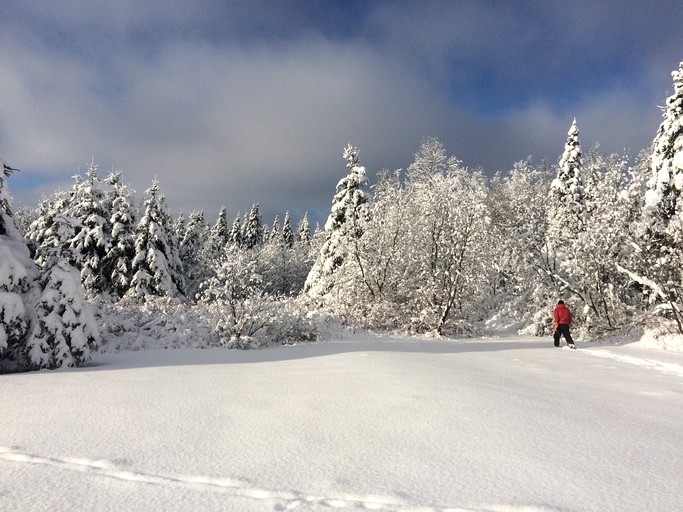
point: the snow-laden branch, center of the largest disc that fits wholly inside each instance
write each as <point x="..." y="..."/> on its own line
<point x="643" y="280"/>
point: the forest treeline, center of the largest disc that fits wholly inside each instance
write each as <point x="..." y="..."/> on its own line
<point x="437" y="248"/>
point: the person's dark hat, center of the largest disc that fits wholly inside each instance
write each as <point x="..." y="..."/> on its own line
<point x="560" y="301"/>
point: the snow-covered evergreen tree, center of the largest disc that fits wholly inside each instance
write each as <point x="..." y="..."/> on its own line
<point x="304" y="230"/>
<point x="179" y="226"/>
<point x="566" y="216"/>
<point x="17" y="276"/>
<point x="663" y="199"/>
<point x="65" y="331"/>
<point x="567" y="198"/>
<point x="253" y="229"/>
<point x="662" y="233"/>
<point x="23" y="218"/>
<point x="283" y="264"/>
<point x="349" y="208"/>
<point x="76" y="224"/>
<point x="92" y="237"/>
<point x="46" y="323"/>
<point x="287" y="233"/>
<point x="54" y="228"/>
<point x="196" y="232"/>
<point x="236" y="231"/>
<point x="275" y="234"/>
<point x="157" y="269"/>
<point x="195" y="253"/>
<point x="219" y="236"/>
<point x="118" y="264"/>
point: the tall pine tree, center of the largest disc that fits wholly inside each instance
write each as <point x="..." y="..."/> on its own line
<point x="287" y="233"/>
<point x="662" y="234"/>
<point x="193" y="249"/>
<point x="219" y="236"/>
<point x="567" y="196"/>
<point x="349" y="208"/>
<point x="92" y="238"/>
<point x="157" y="269"/>
<point x="253" y="229"/>
<point x="663" y="198"/>
<point x="235" y="236"/>
<point x="304" y="230"/>
<point x="118" y="265"/>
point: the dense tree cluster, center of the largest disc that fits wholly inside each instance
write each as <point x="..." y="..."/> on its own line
<point x="437" y="248"/>
<point x="45" y="321"/>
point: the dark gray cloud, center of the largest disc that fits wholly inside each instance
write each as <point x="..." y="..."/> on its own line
<point x="230" y="104"/>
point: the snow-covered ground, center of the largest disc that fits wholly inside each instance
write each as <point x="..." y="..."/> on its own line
<point x="360" y="423"/>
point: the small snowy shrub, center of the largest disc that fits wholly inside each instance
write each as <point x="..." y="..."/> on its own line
<point x="239" y="322"/>
<point x="283" y="321"/>
<point x="233" y="299"/>
<point x="295" y="320"/>
<point x="242" y="315"/>
<point x="157" y="322"/>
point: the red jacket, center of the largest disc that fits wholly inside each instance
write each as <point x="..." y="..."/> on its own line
<point x="563" y="315"/>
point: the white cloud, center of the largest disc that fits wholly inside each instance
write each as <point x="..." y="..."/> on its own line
<point x="216" y="125"/>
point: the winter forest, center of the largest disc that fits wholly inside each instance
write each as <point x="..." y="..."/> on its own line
<point x="436" y="249"/>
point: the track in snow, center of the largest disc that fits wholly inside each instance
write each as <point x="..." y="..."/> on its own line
<point x="283" y="500"/>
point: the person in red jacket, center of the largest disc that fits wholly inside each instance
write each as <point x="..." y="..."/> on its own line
<point x="563" y="318"/>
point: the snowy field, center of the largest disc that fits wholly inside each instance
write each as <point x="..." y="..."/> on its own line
<point x="506" y="424"/>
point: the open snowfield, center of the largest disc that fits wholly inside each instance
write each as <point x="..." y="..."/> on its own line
<point x="506" y="424"/>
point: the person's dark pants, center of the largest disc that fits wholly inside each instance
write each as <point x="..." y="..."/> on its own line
<point x="563" y="330"/>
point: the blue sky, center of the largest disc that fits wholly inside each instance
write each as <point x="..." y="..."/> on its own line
<point x="231" y="103"/>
